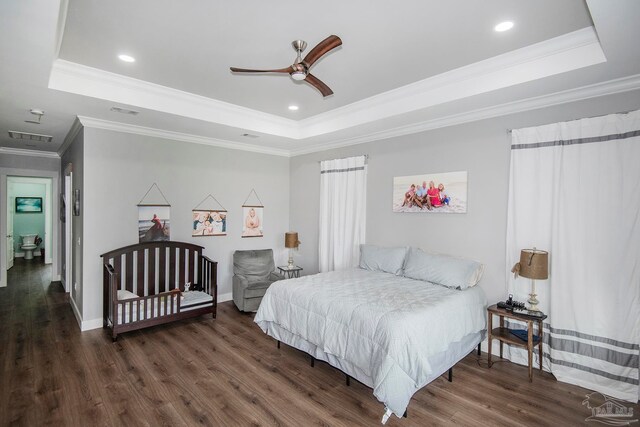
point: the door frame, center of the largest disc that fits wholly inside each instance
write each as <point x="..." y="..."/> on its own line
<point x="55" y="220"/>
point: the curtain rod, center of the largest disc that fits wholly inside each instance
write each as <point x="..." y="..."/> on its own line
<point x="589" y="117"/>
<point x="366" y="157"/>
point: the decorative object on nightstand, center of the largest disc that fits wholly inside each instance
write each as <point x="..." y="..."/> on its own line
<point x="290" y="272"/>
<point x="516" y="337"/>
<point x="291" y="242"/>
<point x="534" y="265"/>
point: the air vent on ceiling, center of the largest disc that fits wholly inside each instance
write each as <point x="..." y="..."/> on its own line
<point x="124" y="111"/>
<point x="248" y="135"/>
<point x="30" y="136"/>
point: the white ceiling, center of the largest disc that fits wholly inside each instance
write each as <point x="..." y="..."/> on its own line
<point x="401" y="69"/>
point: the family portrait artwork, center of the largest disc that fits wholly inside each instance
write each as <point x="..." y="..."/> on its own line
<point x="438" y="192"/>
<point x="153" y="223"/>
<point x="253" y="221"/>
<point x="209" y="223"/>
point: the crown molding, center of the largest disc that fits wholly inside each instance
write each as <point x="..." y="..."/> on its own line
<point x="76" y="127"/>
<point x="611" y="87"/>
<point x="561" y="54"/>
<point x="83" y="80"/>
<point x="568" y="52"/>
<point x="90" y="122"/>
<point x="31" y="153"/>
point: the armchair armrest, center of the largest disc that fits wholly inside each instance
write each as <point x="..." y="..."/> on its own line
<point x="276" y="276"/>
<point x="240" y="280"/>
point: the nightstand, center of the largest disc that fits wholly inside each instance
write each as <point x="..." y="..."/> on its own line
<point x="290" y="273"/>
<point x="503" y="335"/>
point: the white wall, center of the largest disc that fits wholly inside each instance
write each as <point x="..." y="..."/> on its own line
<point x="481" y="148"/>
<point x="119" y="168"/>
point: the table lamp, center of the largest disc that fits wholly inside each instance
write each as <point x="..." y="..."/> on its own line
<point x="291" y="241"/>
<point x="534" y="265"/>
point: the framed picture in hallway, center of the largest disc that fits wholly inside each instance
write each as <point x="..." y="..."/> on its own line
<point x="28" y="204"/>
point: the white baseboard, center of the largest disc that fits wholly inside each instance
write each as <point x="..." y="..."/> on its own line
<point x="225" y="297"/>
<point x="76" y="312"/>
<point x="85" y="325"/>
<point x="88" y="325"/>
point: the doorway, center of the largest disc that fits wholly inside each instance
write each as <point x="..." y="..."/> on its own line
<point x="49" y="247"/>
<point x="29" y="219"/>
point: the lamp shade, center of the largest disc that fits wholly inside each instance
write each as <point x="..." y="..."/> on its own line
<point x="534" y="264"/>
<point x="291" y="239"/>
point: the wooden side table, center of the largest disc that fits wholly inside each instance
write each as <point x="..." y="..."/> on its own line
<point x="290" y="273"/>
<point x="503" y="335"/>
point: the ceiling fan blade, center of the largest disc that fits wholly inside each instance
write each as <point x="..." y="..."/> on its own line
<point x="318" y="84"/>
<point x="287" y="70"/>
<point x="321" y="48"/>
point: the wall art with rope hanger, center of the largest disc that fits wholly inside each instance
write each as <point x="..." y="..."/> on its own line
<point x="154" y="217"/>
<point x="253" y="216"/>
<point x="209" y="220"/>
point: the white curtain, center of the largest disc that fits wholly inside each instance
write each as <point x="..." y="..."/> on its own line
<point x="575" y="192"/>
<point x="343" y="200"/>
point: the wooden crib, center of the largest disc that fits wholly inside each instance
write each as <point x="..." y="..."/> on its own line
<point x="144" y="285"/>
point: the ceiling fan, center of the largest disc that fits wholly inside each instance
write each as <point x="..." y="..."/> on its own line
<point x="300" y="68"/>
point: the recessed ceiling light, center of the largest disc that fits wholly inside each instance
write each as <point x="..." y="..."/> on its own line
<point x="293" y="107"/>
<point x="127" y="58"/>
<point x="503" y="26"/>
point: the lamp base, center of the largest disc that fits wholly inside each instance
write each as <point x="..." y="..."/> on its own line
<point x="533" y="302"/>
<point x="290" y="265"/>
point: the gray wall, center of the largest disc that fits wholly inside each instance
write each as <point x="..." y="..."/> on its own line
<point x="29" y="162"/>
<point x="119" y="168"/>
<point x="481" y="148"/>
<point x="74" y="155"/>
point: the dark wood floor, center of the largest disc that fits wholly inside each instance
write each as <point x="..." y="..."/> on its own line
<point x="224" y="372"/>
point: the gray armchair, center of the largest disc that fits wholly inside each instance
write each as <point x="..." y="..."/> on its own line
<point x="253" y="273"/>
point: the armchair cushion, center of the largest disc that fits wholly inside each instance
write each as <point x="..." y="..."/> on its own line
<point x="254" y="265"/>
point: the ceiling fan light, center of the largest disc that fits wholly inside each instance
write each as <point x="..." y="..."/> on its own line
<point x="298" y="75"/>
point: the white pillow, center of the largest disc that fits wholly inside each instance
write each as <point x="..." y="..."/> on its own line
<point x="376" y="258"/>
<point x="123" y="295"/>
<point x="443" y="270"/>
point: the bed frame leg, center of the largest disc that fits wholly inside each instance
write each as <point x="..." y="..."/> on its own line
<point x="450" y="374"/>
<point x="405" y="413"/>
<point x="348" y="380"/>
<point x="278" y="344"/>
<point x="479" y="344"/>
<point x="313" y="361"/>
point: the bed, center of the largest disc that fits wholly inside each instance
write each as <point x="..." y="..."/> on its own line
<point x="391" y="332"/>
<point x="149" y="284"/>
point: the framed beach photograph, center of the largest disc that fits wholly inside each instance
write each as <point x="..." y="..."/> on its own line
<point x="28" y="204"/>
<point x="153" y="223"/>
<point x="209" y="223"/>
<point x="435" y="192"/>
<point x="252" y="224"/>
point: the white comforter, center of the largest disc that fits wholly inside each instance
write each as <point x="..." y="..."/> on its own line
<point x="386" y="325"/>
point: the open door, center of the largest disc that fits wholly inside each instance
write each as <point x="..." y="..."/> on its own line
<point x="10" y="255"/>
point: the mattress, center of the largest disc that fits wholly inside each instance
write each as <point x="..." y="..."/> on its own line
<point x="190" y="301"/>
<point x="382" y="329"/>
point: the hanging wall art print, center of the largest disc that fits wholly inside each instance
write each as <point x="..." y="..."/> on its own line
<point x="253" y="221"/>
<point x="436" y="192"/>
<point x="209" y="223"/>
<point x="153" y="223"/>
